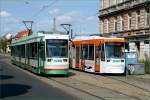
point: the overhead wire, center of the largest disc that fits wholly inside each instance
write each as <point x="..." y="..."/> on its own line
<point x="42" y="9"/>
<point x="35" y="15"/>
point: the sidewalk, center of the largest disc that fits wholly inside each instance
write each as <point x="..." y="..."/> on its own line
<point x="145" y="76"/>
<point x="4" y="54"/>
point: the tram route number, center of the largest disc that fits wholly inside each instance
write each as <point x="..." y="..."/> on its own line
<point x="57" y="60"/>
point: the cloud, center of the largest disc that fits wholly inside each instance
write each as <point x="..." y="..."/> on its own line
<point x="54" y="11"/>
<point x="68" y="17"/>
<point x="64" y="18"/>
<point x="4" y="14"/>
<point x="90" y="18"/>
<point x="9" y="23"/>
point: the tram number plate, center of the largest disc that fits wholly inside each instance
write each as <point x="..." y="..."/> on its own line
<point x="116" y="61"/>
<point x="57" y="60"/>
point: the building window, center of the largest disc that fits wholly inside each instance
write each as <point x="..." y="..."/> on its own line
<point x="107" y="3"/>
<point x="115" y="24"/>
<point x="138" y="20"/>
<point x="121" y="23"/>
<point x="114" y="2"/>
<point x="129" y="21"/>
<point x="102" y="26"/>
<point x="102" y="3"/>
<point x="148" y="17"/>
<point x="106" y="26"/>
<point x="119" y="1"/>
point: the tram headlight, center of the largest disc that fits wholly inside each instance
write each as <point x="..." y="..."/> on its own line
<point x="108" y="60"/>
<point x="49" y="60"/>
<point x="65" y="60"/>
<point x="122" y="60"/>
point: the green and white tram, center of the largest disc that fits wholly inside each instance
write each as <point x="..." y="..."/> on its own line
<point x="42" y="53"/>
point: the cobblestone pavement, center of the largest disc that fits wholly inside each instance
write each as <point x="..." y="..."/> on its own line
<point x="109" y="87"/>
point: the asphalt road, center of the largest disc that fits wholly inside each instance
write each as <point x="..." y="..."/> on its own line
<point x="17" y="85"/>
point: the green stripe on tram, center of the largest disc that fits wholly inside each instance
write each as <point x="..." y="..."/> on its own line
<point x="64" y="72"/>
<point x="53" y="72"/>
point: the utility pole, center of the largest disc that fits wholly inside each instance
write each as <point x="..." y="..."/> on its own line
<point x="54" y="25"/>
<point x="28" y="25"/>
<point x="68" y="29"/>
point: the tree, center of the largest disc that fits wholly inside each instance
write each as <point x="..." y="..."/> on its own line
<point x="3" y="44"/>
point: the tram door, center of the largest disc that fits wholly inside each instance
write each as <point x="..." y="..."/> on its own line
<point x="41" y="54"/>
<point x="102" y="58"/>
<point x="77" y="60"/>
<point x="97" y="58"/>
<point x="28" y="54"/>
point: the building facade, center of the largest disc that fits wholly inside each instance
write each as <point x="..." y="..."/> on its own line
<point x="129" y="19"/>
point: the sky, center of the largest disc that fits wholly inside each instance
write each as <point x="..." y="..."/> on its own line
<point x="81" y="14"/>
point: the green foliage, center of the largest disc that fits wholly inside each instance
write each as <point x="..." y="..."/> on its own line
<point x="147" y="66"/>
<point x="3" y="44"/>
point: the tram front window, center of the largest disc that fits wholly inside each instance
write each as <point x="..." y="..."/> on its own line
<point x="57" y="48"/>
<point x="115" y="50"/>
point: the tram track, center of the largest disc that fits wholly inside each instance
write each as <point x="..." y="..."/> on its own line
<point x="98" y="97"/>
<point x="116" y="79"/>
<point x="95" y="86"/>
<point x="96" y="76"/>
<point x="129" y="84"/>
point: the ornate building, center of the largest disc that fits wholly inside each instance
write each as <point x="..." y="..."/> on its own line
<point x="129" y="19"/>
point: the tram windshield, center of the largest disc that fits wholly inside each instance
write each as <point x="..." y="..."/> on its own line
<point x="115" y="50"/>
<point x="57" y="48"/>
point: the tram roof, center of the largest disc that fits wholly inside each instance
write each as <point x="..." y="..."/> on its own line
<point x="37" y="37"/>
<point x="95" y="40"/>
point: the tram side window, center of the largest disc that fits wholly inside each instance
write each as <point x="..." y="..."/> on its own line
<point x="22" y="50"/>
<point x="91" y="52"/>
<point x="73" y="52"/>
<point x="102" y="53"/>
<point x="14" y="50"/>
<point x="17" y="51"/>
<point x="77" y="54"/>
<point x="33" y="50"/>
<point x="28" y="50"/>
<point x="87" y="52"/>
<point x="84" y="52"/>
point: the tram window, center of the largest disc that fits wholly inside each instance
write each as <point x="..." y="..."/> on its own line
<point x="97" y="51"/>
<point x="28" y="50"/>
<point x="14" y="50"/>
<point x="91" y="52"/>
<point x="33" y="50"/>
<point x="17" y="51"/>
<point x="77" y="54"/>
<point x="102" y="53"/>
<point x="22" y="51"/>
<point x="84" y="52"/>
<point x="87" y="52"/>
